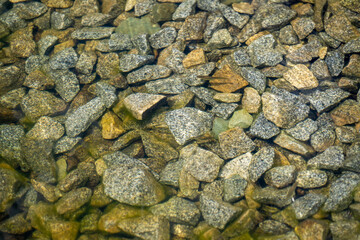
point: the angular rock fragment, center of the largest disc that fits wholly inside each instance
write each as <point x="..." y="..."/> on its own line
<point x="293" y="145"/>
<point x="261" y="162"/>
<point x="263" y="128"/>
<point x="163" y="38"/>
<point x="308" y="205"/>
<point x="235" y="142"/>
<point x="280" y="177"/>
<point x="301" y="77"/>
<point x="130" y="62"/>
<point x="303" y="130"/>
<point x="140" y="104"/>
<point x="147" y="73"/>
<point x="311" y="179"/>
<point x="332" y="158"/>
<point x="88" y="33"/>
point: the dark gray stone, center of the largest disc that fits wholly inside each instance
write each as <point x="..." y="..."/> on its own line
<point x="163" y="38"/>
<point x="30" y="10"/>
<point x="35" y="62"/>
<point x="261" y="162"/>
<point x="89" y="33"/>
<point x="335" y="61"/>
<point x="235" y="18"/>
<point x="191" y="75"/>
<point x="86" y="62"/>
<point x="147" y="73"/>
<point x="329" y="40"/>
<point x="241" y="57"/>
<point x="224" y="110"/>
<point x="208" y="5"/>
<point x="308" y="205"/>
<point x="141" y="43"/>
<point x="64" y="59"/>
<point x="311" y="178"/>
<point x="119" y="42"/>
<point x="303" y="130"/>
<point x="171" y="173"/>
<point x="106" y="92"/>
<point x="270" y="195"/>
<point x="66" y="84"/>
<point x="353" y="46"/>
<point x="45" y="43"/>
<point x="95" y="19"/>
<point x="324" y="100"/>
<point x="205" y="95"/>
<point x="60" y="21"/>
<point x="280" y="177"/>
<point x="184" y="10"/>
<point x="129" y="62"/>
<point x="255" y="78"/>
<point x="263" y="128"/>
<point x="234" y="188"/>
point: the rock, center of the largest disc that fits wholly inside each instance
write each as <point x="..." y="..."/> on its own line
<point x="46" y="128"/>
<point x="108" y="66"/>
<point x="241" y="57"/>
<point x="64" y="59"/>
<point x="147" y="227"/>
<point x="238" y="166"/>
<point x="147" y="73"/>
<point x="346" y="113"/>
<point x="263" y="128"/>
<point x="243" y="224"/>
<point x="86" y="62"/>
<point x="284" y="111"/>
<point x="73" y="200"/>
<point x="95" y="19"/>
<point x="273" y="227"/>
<point x="234" y="188"/>
<point x="303" y="26"/>
<point x="38" y="80"/>
<point x="322" y="139"/>
<point x="311" y="179"/>
<point x="193" y="27"/>
<point x="339" y="27"/>
<point x="139" y="104"/>
<point x="111" y="126"/>
<point x="274" y="15"/>
<point x="185" y="9"/>
<point x="312" y="229"/>
<point x="235" y="142"/>
<point x="188" y="123"/>
<point x="30" y="10"/>
<point x="345" y="229"/>
<point x="324" y="100"/>
<point x="130" y="62"/>
<point x="293" y="145"/>
<point x="174" y="60"/>
<point x="163" y="38"/>
<point x="301" y="77"/>
<point x="220" y="39"/>
<point x="251" y="100"/>
<point x="21" y="43"/>
<point x="119" y="41"/>
<point x="60" y="21"/>
<point x="143" y="190"/>
<point x="171" y="85"/>
<point x="216" y="212"/>
<point x="234" y="17"/>
<point x="345" y="134"/>
<point x="141" y="43"/>
<point x="162" y="12"/>
<point x="240" y="119"/>
<point x="171" y="173"/>
<point x="303" y="130"/>
<point x="16" y="224"/>
<point x="10" y="182"/>
<point x="106" y="92"/>
<point x="214" y="22"/>
<point x="84" y="116"/>
<point x="10" y="148"/>
<point x="229" y="81"/>
<point x="195" y="57"/>
<point x="320" y="69"/>
<point x="12" y="20"/>
<point x="63" y="229"/>
<point x="50" y="192"/>
<point x="352" y="46"/>
<point x="13" y="98"/>
<point x="270" y="195"/>
<point x="89" y="33"/>
<point x="120" y="159"/>
<point x="352" y="158"/>
<point x="201" y="164"/>
<point x="41" y="103"/>
<point x="332" y="158"/>
<point x="227" y="97"/>
<point x="243" y="7"/>
<point x="65" y="144"/>
<point x="66" y="84"/>
<point x="260" y="163"/>
<point x="288" y="36"/>
<point x="280" y="177"/>
<point x="178" y="210"/>
<point x="135" y="26"/>
<point x="308" y="205"/>
<point x="335" y="62"/>
<point x="224" y="110"/>
<point x="352" y="69"/>
<point x="340" y="193"/>
<point x="262" y="52"/>
<point x="255" y="78"/>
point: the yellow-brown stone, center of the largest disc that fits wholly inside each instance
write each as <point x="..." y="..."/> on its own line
<point x="58" y="3"/>
<point x="111" y="126"/>
<point x="243" y="7"/>
<point x="227" y="81"/>
<point x="62" y="46"/>
<point x="251" y="100"/>
<point x="22" y="44"/>
<point x="301" y="77"/>
<point x="195" y="57"/>
<point x="347" y="113"/>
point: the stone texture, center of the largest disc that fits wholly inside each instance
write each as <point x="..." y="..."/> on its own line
<point x="234" y="188"/>
<point x="46" y="128"/>
<point x="86" y="62"/>
<point x="280" y="177"/>
<point x="303" y="130"/>
<point x="335" y="62"/>
<point x="308" y="205"/>
<point x="322" y="139"/>
<point x="66" y="84"/>
<point x="346" y="113"/>
<point x="262" y="52"/>
<point x="254" y="77"/>
<point x="273" y="196"/>
<point x="311" y="179"/>
<point x="73" y="200"/>
<point x="163" y="38"/>
<point x="13" y="98"/>
<point x="228" y="80"/>
<point x="301" y="77"/>
<point x="235" y="142"/>
<point x="65" y="144"/>
<point x="352" y="69"/>
<point x="237" y="166"/>
<point x="261" y="162"/>
<point x="130" y="62"/>
<point x="332" y="159"/>
<point x="88" y="33"/>
<point x="185" y="9"/>
<point x="171" y="85"/>
<point x="64" y="59"/>
<point x="312" y="229"/>
<point x="111" y="126"/>
<point x="340" y="28"/>
<point x="263" y="128"/>
<point x="193" y="27"/>
<point x="140" y="104"/>
<point x="10" y="148"/>
<point x="251" y="100"/>
<point x="233" y="17"/>
<point x="147" y="73"/>
<point x="293" y="145"/>
<point x="303" y="26"/>
<point x="195" y="57"/>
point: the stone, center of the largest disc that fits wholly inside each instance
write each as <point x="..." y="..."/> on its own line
<point x="322" y="139"/>
<point x="243" y="7"/>
<point x="346" y="113"/>
<point x="352" y="69"/>
<point x="301" y="77"/>
<point x="228" y="80"/>
<point x="108" y="66"/>
<point x="41" y="103"/>
<point x="335" y="62"/>
<point x="49" y="191"/>
<point x="73" y="200"/>
<point x="38" y="80"/>
<point x="287" y="142"/>
<point x="234" y="188"/>
<point x="162" y="12"/>
<point x="95" y="19"/>
<point x="303" y="130"/>
<point x="91" y="33"/>
<point x="141" y="43"/>
<point x="311" y="178"/>
<point x="185" y="9"/>
<point x="345" y="229"/>
<point x="118" y="42"/>
<point x="147" y="73"/>
<point x="312" y="229"/>
<point x="339" y="27"/>
<point x="241" y="57"/>
<point x="251" y="100"/>
<point x="307" y="205"/>
<point x="340" y="192"/>
<point x="188" y="123"/>
<point x="111" y="126"/>
<point x="260" y="163"/>
<point x="16" y="224"/>
<point x="274" y="15"/>
<point x="303" y="26"/>
<point x="21" y="43"/>
<point x="130" y="62"/>
<point x="178" y="210"/>
<point x="84" y="116"/>
<point x="280" y="177"/>
<point x="193" y="27"/>
<point x="243" y="224"/>
<point x="143" y="190"/>
<point x="66" y="84"/>
<point x="220" y="39"/>
<point x="106" y="92"/>
<point x="174" y="61"/>
<point x="273" y="227"/>
<point x="139" y="104"/>
<point x="263" y="128"/>
<point x="332" y="42"/>
<point x="352" y="158"/>
<point x="214" y="22"/>
<point x="324" y="100"/>
<point x="137" y="26"/>
<point x="171" y="85"/>
<point x="270" y="195"/>
<point x="216" y="212"/>
<point x="288" y="36"/>
<point x="46" y="128"/>
<point x="195" y="57"/>
<point x="346" y="134"/>
<point x="36" y="62"/>
<point x="13" y="98"/>
<point x="233" y="17"/>
<point x="64" y="59"/>
<point x="30" y="10"/>
<point x="332" y="159"/>
<point x="240" y="118"/>
<point x="163" y="38"/>
<point x="86" y="62"/>
<point x="284" y="111"/>
<point x="320" y="70"/>
<point x="263" y="53"/>
<point x="219" y="125"/>
<point x="10" y="148"/>
<point x="254" y="77"/>
<point x="306" y="52"/>
<point x="224" y="110"/>
<point x="352" y="46"/>
<point x="65" y="144"/>
<point x="201" y="164"/>
<point x="60" y="21"/>
<point x="12" y="20"/>
<point x="227" y="97"/>
<point x="170" y="175"/>
<point x="235" y="142"/>
<point x="238" y="166"/>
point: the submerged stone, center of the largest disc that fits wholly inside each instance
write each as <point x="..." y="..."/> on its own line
<point x="140" y="104"/>
<point x="235" y="142"/>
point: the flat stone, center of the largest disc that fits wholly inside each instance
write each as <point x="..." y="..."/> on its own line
<point x="301" y="77"/>
<point x="65" y="144"/>
<point x="111" y="126"/>
<point x="235" y="142"/>
<point x="119" y="42"/>
<point x="346" y="134"/>
<point x="84" y="116"/>
<point x="233" y="17"/>
<point x="339" y="27"/>
<point x="201" y="164"/>
<point x="95" y="19"/>
<point x="227" y="97"/>
<point x="346" y="113"/>
<point x="86" y="62"/>
<point x="261" y="162"/>
<point x="303" y="26"/>
<point x="262" y="52"/>
<point x="270" y="195"/>
<point x="141" y="43"/>
<point x="195" y="57"/>
<point x="303" y="130"/>
<point x="64" y="59"/>
<point x="308" y="205"/>
<point x="10" y="148"/>
<point x="163" y="38"/>
<point x="185" y="9"/>
<point x="234" y="188"/>
<point x="73" y="200"/>
<point x="216" y="212"/>
<point x="340" y="193"/>
<point x="147" y="73"/>
<point x="263" y="128"/>
<point x="229" y="81"/>
<point x="352" y="69"/>
<point x="178" y="210"/>
<point x="46" y="128"/>
<point x="352" y="46"/>
<point x="41" y="103"/>
<point x="306" y="52"/>
<point x="60" y="21"/>
<point x="187" y="123"/>
<point x="274" y="15"/>
<point x="129" y="62"/>
<point x="332" y="159"/>
<point x="120" y="184"/>
<point x="193" y="27"/>
<point x="254" y="77"/>
<point x="171" y="85"/>
<point x="13" y="98"/>
<point x="280" y="177"/>
<point x="224" y="110"/>
<point x="311" y="178"/>
<point x="285" y="141"/>
<point x="89" y="33"/>
<point x="288" y="36"/>
<point x="30" y="10"/>
<point x="312" y="229"/>
<point x="139" y="104"/>
<point x="335" y="62"/>
<point x="237" y="166"/>
<point x="322" y="139"/>
<point x="16" y="224"/>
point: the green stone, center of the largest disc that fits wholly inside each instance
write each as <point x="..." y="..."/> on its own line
<point x="162" y="12"/>
<point x="64" y="230"/>
<point x="136" y="26"/>
<point x="244" y="224"/>
<point x="286" y="216"/>
<point x="241" y="119"/>
<point x="219" y="125"/>
<point x="41" y="215"/>
<point x="61" y="168"/>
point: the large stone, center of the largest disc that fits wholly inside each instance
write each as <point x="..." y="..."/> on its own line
<point x="46" y="128"/>
<point x="280" y="177"/>
<point x="129" y="62"/>
<point x="301" y="77"/>
<point x="10" y="148"/>
<point x="261" y="162"/>
<point x="303" y="130"/>
<point x="235" y="142"/>
<point x="140" y="104"/>
<point x="340" y="28"/>
<point x="227" y="80"/>
<point x="270" y="195"/>
<point x="346" y="113"/>
<point x="332" y="159"/>
<point x="308" y="205"/>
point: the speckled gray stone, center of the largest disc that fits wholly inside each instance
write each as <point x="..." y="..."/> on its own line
<point x="224" y="110"/>
<point x="10" y="148"/>
<point x="308" y="205"/>
<point x="64" y="59"/>
<point x="13" y="98"/>
<point x="175" y="61"/>
<point x="263" y="128"/>
<point x="120" y="159"/>
<point x="208" y="5"/>
<point x="237" y="166"/>
<point x="346" y="134"/>
<point x="129" y="62"/>
<point x="274" y="15"/>
<point x="184" y="10"/>
<point x="322" y="139"/>
<point x="45" y="43"/>
<point x="147" y="73"/>
<point x="89" y="33"/>
<point x="163" y="38"/>
<point x="171" y="85"/>
<point x="241" y="57"/>
<point x="255" y="78"/>
<point x="233" y="17"/>
<point x="261" y="162"/>
<point x="171" y="173"/>
<point x="270" y="195"/>
<point x="340" y="193"/>
<point x="353" y="46"/>
<point x="30" y="10"/>
<point x="352" y="160"/>
<point x="141" y="43"/>
<point x="106" y="92"/>
<point x="12" y="20"/>
<point x="204" y="94"/>
<point x="66" y="84"/>
<point x="273" y="227"/>
<point x="65" y="144"/>
<point x="262" y="52"/>
<point x="95" y="19"/>
<point x="288" y="36"/>
<point x="235" y="142"/>
<point x="119" y="42"/>
<point x="140" y="104"/>
<point x="35" y="62"/>
<point x="46" y="128"/>
<point x="178" y="210"/>
<point x="187" y="123"/>
<point x="332" y="159"/>
<point x="311" y="178"/>
<point x="86" y="62"/>
<point x="214" y="22"/>
<point x="280" y="177"/>
<point x="84" y="116"/>
<point x="234" y="188"/>
<point x="60" y="21"/>
<point x="335" y="61"/>
<point x="220" y="39"/>
<point x="303" y="130"/>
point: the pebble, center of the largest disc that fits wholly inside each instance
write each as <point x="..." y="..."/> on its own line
<point x="335" y="62"/>
<point x="263" y="53"/>
<point x="233" y="17"/>
<point x="301" y="77"/>
<point x="243" y="7"/>
<point x="339" y="27"/>
<point x="193" y="27"/>
<point x="95" y="19"/>
<point x="46" y="128"/>
<point x="90" y="33"/>
<point x="162" y="12"/>
<point x="106" y="92"/>
<point x="346" y="134"/>
<point x="220" y="39"/>
<point x="346" y="113"/>
<point x="240" y="118"/>
<point x="273" y="227"/>
<point x="261" y="162"/>
<point x="10" y="148"/>
<point x="254" y="77"/>
<point x="66" y="84"/>
<point x="303" y="130"/>
<point x="185" y="9"/>
<point x="119" y="42"/>
<point x="232" y="81"/>
<point x="30" y="10"/>
<point x="281" y="176"/>
<point x="308" y="205"/>
<point x="45" y="43"/>
<point x="73" y="200"/>
<point x="288" y="36"/>
<point x="147" y="73"/>
<point x="60" y="21"/>
<point x="332" y="159"/>
<point x="273" y="196"/>
<point x="344" y="229"/>
<point x="65" y="144"/>
<point x="287" y="142"/>
<point x="111" y="126"/>
<point x="251" y="100"/>
<point x="241" y="57"/>
<point x="86" y="62"/>
<point x="174" y="61"/>
<point x="141" y="43"/>
<point x="214" y="22"/>
<point x="12" y="20"/>
<point x="195" y="57"/>
<point x="139" y="104"/>
<point x="320" y="70"/>
<point x="130" y="62"/>
<point x="263" y="128"/>
<point x="303" y="26"/>
<point x="163" y="38"/>
<point x="234" y="188"/>
<point x="64" y="59"/>
<point x="311" y="178"/>
<point x="322" y="139"/>
<point x="274" y="15"/>
<point x="227" y="97"/>
<point x="171" y="85"/>
<point x="235" y="142"/>
<point x="237" y="166"/>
